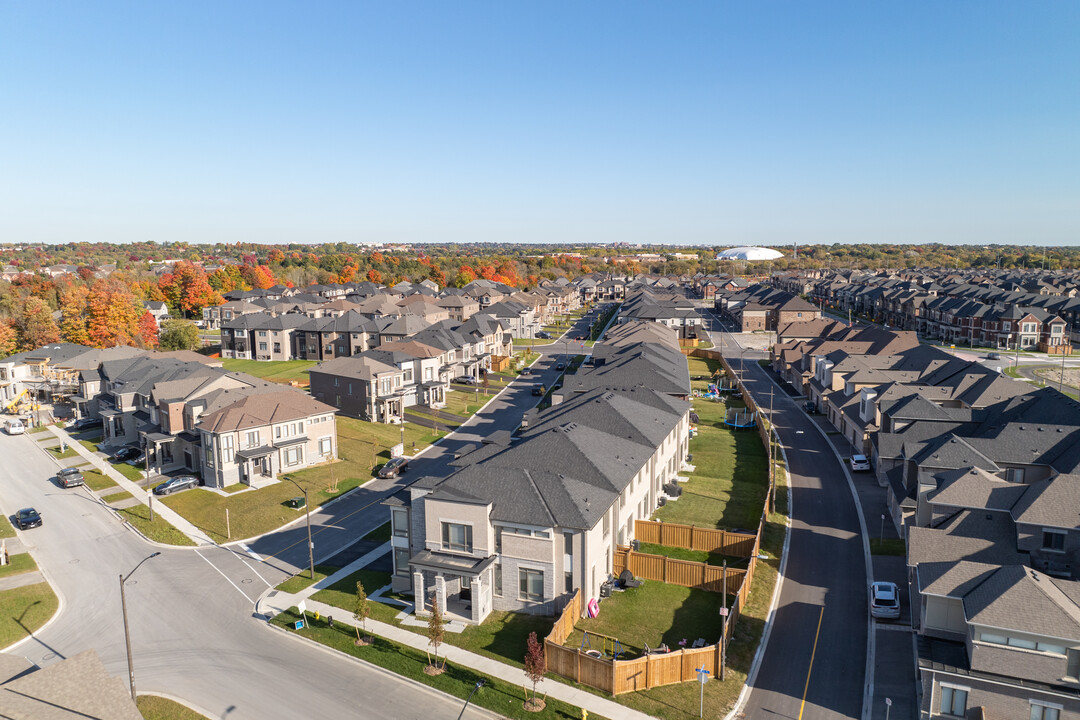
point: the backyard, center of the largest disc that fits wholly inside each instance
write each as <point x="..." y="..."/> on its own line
<point x="362" y="447"/>
<point x="279" y="371"/>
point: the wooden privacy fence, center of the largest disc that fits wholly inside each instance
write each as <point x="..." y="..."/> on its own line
<point x="622" y="676"/>
<point x="686" y="573"/>
<point x="736" y="544"/>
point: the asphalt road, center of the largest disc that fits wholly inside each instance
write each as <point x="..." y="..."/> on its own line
<point x="825" y="576"/>
<point x="190" y="612"/>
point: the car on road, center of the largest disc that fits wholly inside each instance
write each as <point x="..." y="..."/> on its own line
<point x="538" y="390"/>
<point x="176" y="484"/>
<point x="993" y="356"/>
<point x="125" y="454"/>
<point x="465" y="380"/>
<point x="395" y="467"/>
<point x="86" y="423"/>
<point x="544" y="335"/>
<point x="885" y="600"/>
<point x="14" y="426"/>
<point x="27" y="518"/>
<point x="526" y="371"/>
<point x="560" y="365"/>
<point x="811" y="408"/>
<point x="859" y="463"/>
<point x="70" y="477"/>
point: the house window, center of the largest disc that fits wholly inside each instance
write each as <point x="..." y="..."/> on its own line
<point x="1045" y="711"/>
<point x="1053" y="540"/>
<point x="325" y="446"/>
<point x="208" y="444"/>
<point x="1073" y="671"/>
<point x="498" y="579"/>
<point x="400" y="522"/>
<point x="456" y="537"/>
<point x="293" y="456"/>
<point x="568" y="584"/>
<point x="227" y="449"/>
<point x="408" y="375"/>
<point x="607" y="524"/>
<point x="401" y="562"/>
<point x="262" y="346"/>
<point x="953" y="701"/>
<point x="1015" y="475"/>
<point x="530" y="585"/>
<point x="251" y="439"/>
<point x="498" y="540"/>
<point x="386" y="386"/>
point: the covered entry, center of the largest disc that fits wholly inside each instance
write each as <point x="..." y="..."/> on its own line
<point x="461" y="583"/>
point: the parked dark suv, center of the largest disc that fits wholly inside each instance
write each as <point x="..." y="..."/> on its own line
<point x="70" y="477"/>
<point x="85" y="424"/>
<point x="176" y="484"/>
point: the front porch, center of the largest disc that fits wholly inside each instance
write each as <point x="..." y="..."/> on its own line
<point x="461" y="584"/>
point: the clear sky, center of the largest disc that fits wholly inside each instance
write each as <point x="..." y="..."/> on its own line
<point x="710" y="122"/>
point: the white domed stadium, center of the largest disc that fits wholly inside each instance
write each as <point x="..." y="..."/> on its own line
<point x="749" y="253"/>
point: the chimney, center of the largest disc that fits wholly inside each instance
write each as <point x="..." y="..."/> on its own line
<point x="867" y="410"/>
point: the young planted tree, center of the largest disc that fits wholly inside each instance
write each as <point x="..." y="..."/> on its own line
<point x="435" y="632"/>
<point x="535" y="669"/>
<point x="361" y="612"/>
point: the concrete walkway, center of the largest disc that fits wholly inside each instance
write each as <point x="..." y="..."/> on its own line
<point x="274" y="603"/>
<point x="174" y="518"/>
<point x="22" y="579"/>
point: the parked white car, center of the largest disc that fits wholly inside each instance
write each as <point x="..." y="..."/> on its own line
<point x="14" y="426"/>
<point x="859" y="462"/>
<point x="885" y="601"/>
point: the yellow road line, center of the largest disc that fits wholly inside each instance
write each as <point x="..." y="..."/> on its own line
<point x="811" y="668"/>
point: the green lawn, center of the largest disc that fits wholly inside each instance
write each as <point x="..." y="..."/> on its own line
<point x="282" y="371"/>
<point x="38" y="429"/>
<point x="56" y="453"/>
<point x="727" y="490"/>
<point x="342" y="594"/>
<point x="652" y="614"/>
<point x="25" y="609"/>
<point x="97" y="480"/>
<point x="504" y="698"/>
<point x="888" y="546"/>
<point x="153" y="707"/>
<point x="6" y="528"/>
<point x="362" y="446"/>
<point x="301" y="580"/>
<point x="132" y="473"/>
<point x="158" y="530"/>
<point x="692" y="555"/>
<point x="117" y="497"/>
<point x="19" y="564"/>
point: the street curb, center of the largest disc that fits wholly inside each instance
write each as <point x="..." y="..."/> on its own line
<point x="755" y="664"/>
<point x="378" y="668"/>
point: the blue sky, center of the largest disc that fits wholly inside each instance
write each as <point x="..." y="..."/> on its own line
<point x="723" y="123"/>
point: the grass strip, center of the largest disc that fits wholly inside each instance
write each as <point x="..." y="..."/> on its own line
<point x="506" y="699"/>
<point x="158" y="530"/>
<point x="23" y="610"/>
<point x="21" y="563"/>
<point x="154" y="707"/>
<point x="117" y="497"/>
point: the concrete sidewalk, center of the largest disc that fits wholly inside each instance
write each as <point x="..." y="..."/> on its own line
<point x="464" y="658"/>
<point x="174" y="518"/>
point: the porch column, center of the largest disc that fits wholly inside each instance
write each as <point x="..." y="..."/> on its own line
<point x="418" y="591"/>
<point x="440" y="592"/>
<point x="479" y="599"/>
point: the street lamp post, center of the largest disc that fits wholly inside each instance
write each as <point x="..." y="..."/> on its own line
<point x="307" y="514"/>
<point x="127" y="632"/>
<point x="146" y="464"/>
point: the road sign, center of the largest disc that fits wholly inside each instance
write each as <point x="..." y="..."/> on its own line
<point x="301" y="606"/>
<point x="298" y="625"/>
<point x="888" y="701"/>
<point x="723" y="612"/>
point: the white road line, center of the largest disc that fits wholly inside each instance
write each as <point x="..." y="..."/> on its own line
<point x="254" y="555"/>
<point x="256" y="572"/>
<point x="224" y="576"/>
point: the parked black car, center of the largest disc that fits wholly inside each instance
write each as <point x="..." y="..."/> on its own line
<point x="538" y="390"/>
<point x="70" y="477"/>
<point x="560" y="365"/>
<point x="85" y="424"/>
<point x="125" y="454"/>
<point x="176" y="484"/>
<point x="27" y="518"/>
<point x="811" y="408"/>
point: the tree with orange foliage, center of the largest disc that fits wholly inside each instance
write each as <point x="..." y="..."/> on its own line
<point x="35" y="326"/>
<point x="73" y="315"/>
<point x="8" y="339"/>
<point x="148" y="330"/>
<point x="258" y="276"/>
<point x="112" y="314"/>
<point x="374" y="276"/>
<point x="276" y="256"/>
<point x="188" y="289"/>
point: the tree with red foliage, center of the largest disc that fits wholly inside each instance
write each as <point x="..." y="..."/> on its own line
<point x="374" y="276"/>
<point x="535" y="669"/>
<point x="148" y="330"/>
<point x="258" y="276"/>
